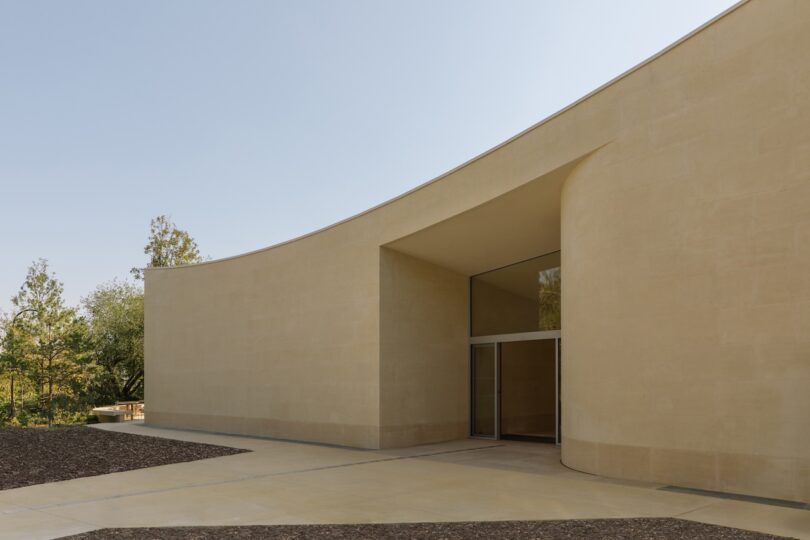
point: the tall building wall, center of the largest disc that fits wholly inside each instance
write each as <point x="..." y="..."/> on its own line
<point x="686" y="267"/>
<point x="282" y="343"/>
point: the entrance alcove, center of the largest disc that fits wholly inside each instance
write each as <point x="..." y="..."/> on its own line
<point x="428" y="321"/>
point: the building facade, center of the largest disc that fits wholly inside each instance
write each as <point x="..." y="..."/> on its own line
<point x="667" y="213"/>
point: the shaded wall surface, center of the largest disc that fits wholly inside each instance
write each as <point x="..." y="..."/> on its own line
<point x="424" y="362"/>
<point x="682" y="190"/>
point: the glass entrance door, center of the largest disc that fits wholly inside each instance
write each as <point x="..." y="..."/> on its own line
<point x="515" y="390"/>
<point x="485" y="384"/>
<point x="528" y="385"/>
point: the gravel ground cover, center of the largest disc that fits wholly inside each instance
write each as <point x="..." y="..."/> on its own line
<point x="31" y="456"/>
<point x="603" y="529"/>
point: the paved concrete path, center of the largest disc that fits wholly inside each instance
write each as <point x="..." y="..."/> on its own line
<point x="285" y="482"/>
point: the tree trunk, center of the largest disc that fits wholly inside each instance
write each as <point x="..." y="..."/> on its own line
<point x="50" y="392"/>
<point x="130" y="385"/>
<point x="11" y="388"/>
<point x="40" y="386"/>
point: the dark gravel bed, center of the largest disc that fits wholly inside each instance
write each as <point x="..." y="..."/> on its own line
<point x="603" y="529"/>
<point x="31" y="456"/>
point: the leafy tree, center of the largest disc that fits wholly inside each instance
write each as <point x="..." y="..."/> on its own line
<point x="49" y="340"/>
<point x="115" y="314"/>
<point x="57" y="364"/>
<point x="12" y="361"/>
<point x="168" y="246"/>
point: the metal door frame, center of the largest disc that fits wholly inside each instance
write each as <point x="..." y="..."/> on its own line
<point x="496" y="341"/>
<point x="497" y="360"/>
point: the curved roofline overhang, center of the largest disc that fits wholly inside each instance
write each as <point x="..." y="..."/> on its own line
<point x="482" y="155"/>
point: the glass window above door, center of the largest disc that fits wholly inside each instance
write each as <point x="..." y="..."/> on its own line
<point x="522" y="297"/>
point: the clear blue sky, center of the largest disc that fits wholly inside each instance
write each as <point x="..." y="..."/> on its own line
<point x="251" y="122"/>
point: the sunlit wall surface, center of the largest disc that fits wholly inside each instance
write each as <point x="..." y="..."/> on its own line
<point x="522" y="297"/>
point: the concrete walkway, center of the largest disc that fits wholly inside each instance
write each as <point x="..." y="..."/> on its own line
<point x="284" y="482"/>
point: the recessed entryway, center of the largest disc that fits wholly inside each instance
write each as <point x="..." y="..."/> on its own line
<point x="514" y="388"/>
<point x="515" y="321"/>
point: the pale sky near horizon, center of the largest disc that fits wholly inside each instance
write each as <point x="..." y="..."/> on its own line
<point x="252" y="122"/>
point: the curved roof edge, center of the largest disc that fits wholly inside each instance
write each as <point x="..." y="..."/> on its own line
<point x="482" y="155"/>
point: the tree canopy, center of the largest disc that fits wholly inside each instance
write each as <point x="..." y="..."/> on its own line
<point x="45" y="341"/>
<point x="115" y="335"/>
<point x="58" y="362"/>
<point x="168" y="246"/>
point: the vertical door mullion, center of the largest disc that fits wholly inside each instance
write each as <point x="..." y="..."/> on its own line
<point x="497" y="391"/>
<point x="476" y="390"/>
<point x="557" y="369"/>
<point x="472" y="390"/>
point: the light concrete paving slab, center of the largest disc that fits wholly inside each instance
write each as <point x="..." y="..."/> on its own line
<point x="370" y="511"/>
<point x="291" y="483"/>
<point x="496" y="505"/>
<point x="35" y="525"/>
<point x="6" y="508"/>
<point x="755" y="517"/>
<point x="224" y="504"/>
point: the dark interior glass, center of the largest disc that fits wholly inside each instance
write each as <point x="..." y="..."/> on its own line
<point x="484" y="391"/>
<point x="529" y="390"/>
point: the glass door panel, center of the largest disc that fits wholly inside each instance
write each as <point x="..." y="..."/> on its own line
<point x="485" y="390"/>
<point x="528" y="390"/>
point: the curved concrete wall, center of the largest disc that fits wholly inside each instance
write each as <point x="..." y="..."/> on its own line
<point x="682" y="190"/>
<point x="686" y="267"/>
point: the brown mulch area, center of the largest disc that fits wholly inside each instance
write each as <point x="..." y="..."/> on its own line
<point x="31" y="456"/>
<point x="603" y="529"/>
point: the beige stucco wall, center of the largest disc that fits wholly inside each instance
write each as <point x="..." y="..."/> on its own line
<point x="424" y="355"/>
<point x="686" y="297"/>
<point x="686" y="267"/>
<point x="283" y="343"/>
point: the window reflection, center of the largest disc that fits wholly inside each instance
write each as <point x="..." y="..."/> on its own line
<point x="548" y="298"/>
<point x="522" y="297"/>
